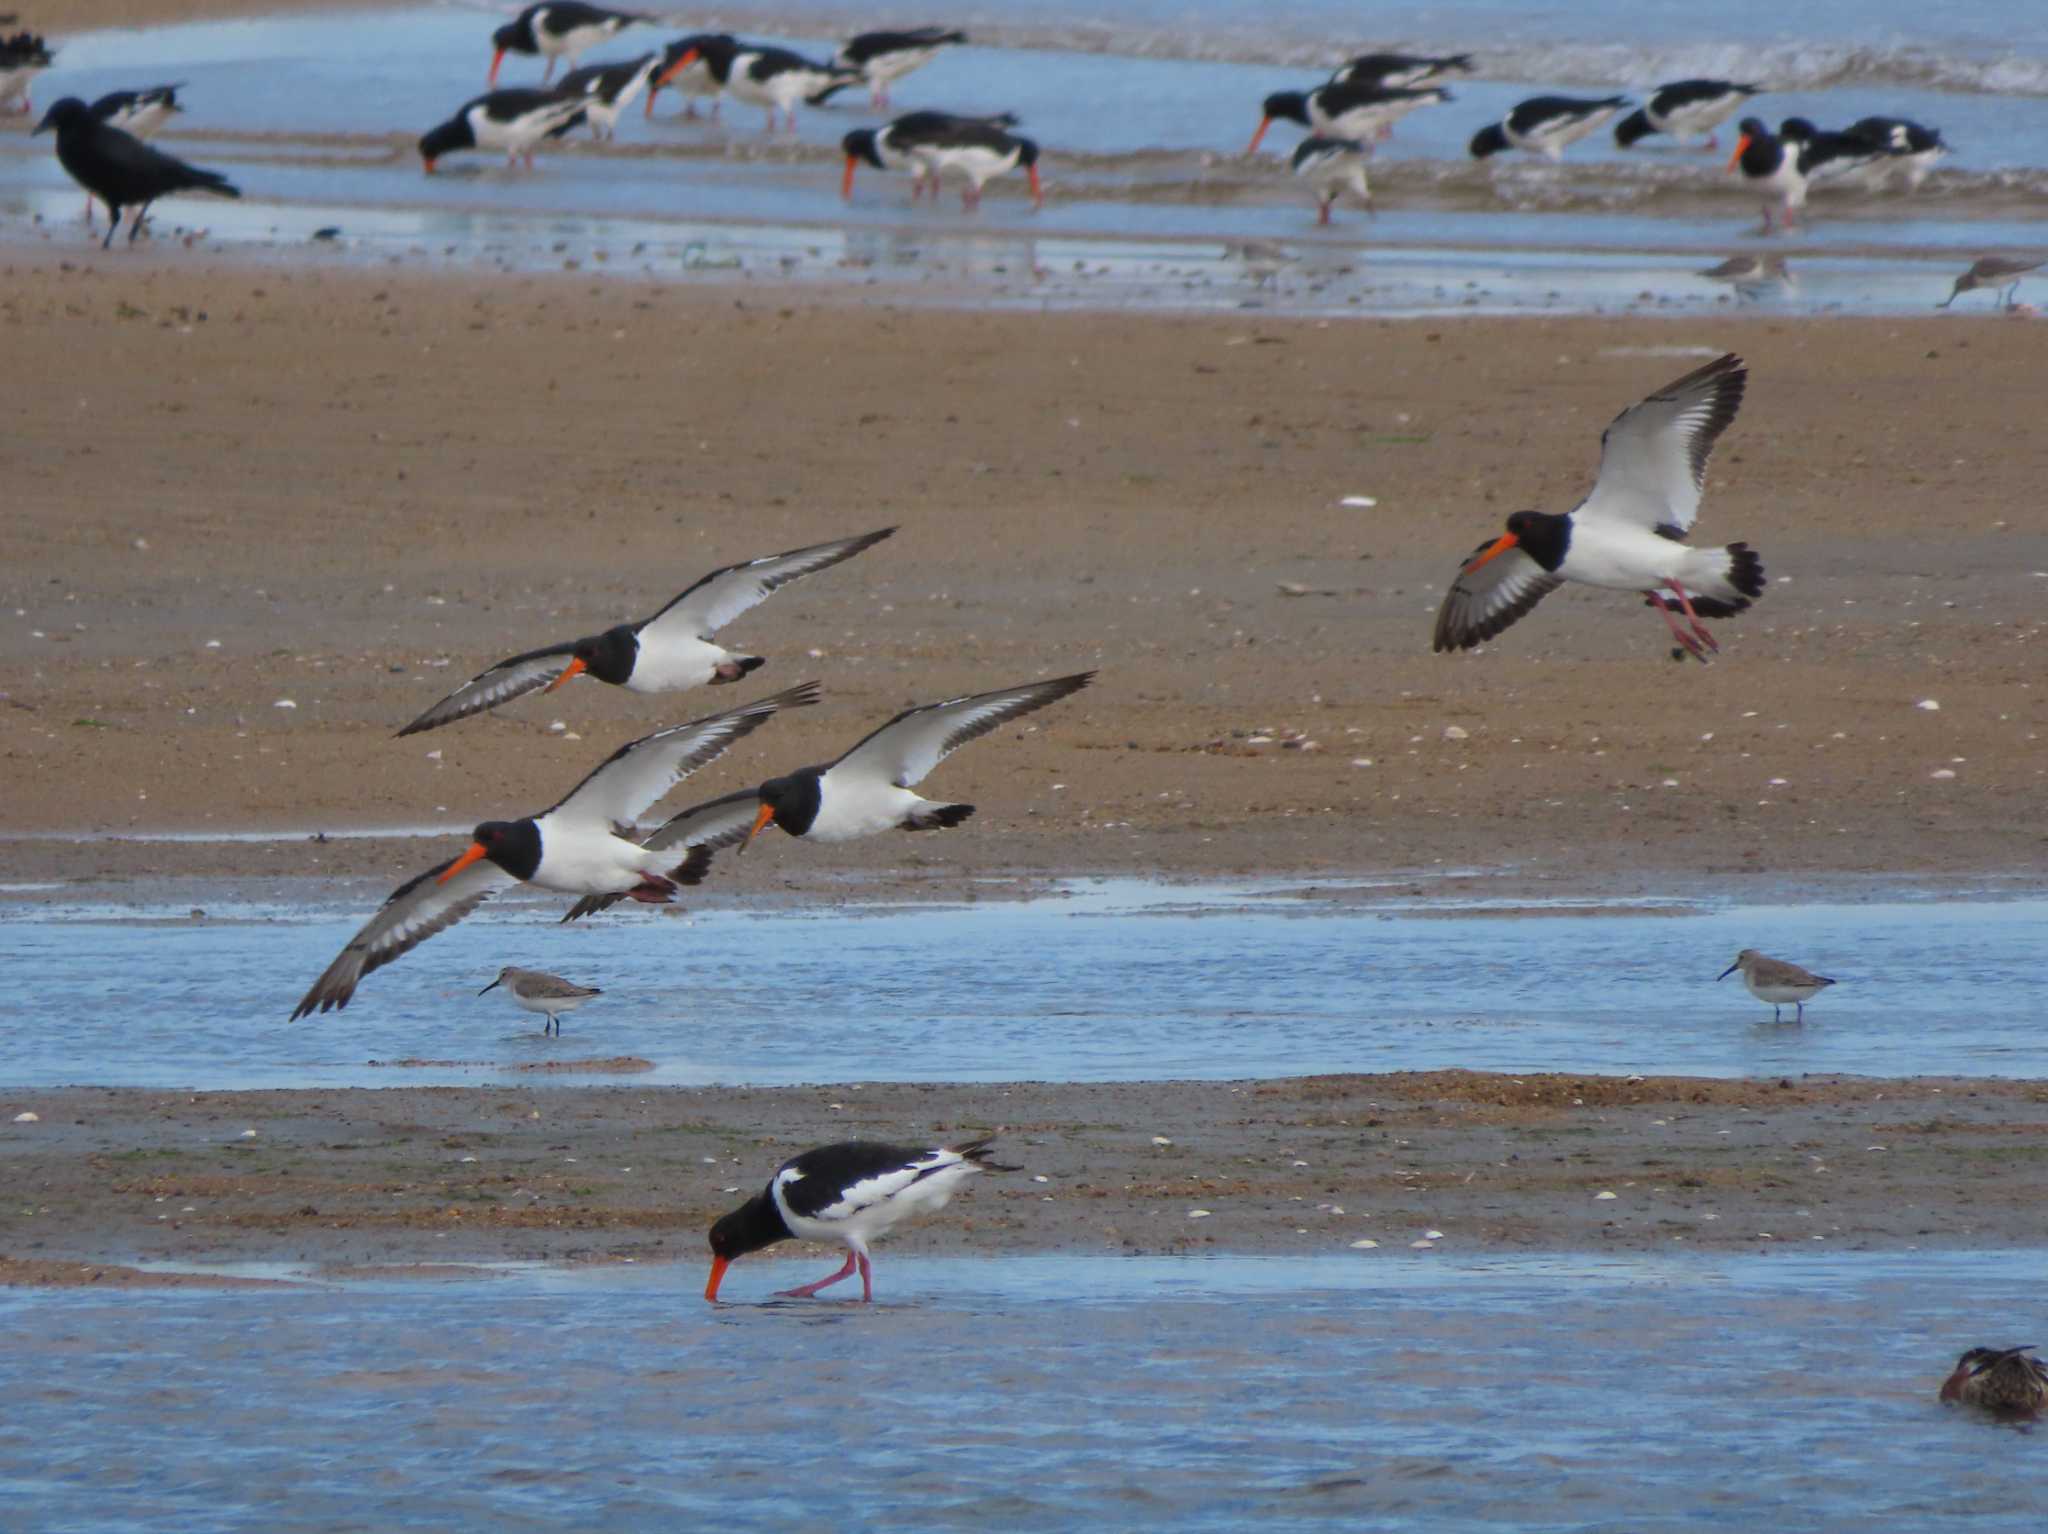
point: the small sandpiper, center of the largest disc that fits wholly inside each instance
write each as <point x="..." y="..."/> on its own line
<point x="535" y="990"/>
<point x="1775" y="981"/>
<point x="1992" y="272"/>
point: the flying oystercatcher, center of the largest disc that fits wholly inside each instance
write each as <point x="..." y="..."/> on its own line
<point x="22" y="57"/>
<point x="2007" y="1382"/>
<point x="1333" y="165"/>
<point x="764" y="76"/>
<point x="514" y="120"/>
<point x="686" y="65"/>
<point x="865" y="791"/>
<point x="1777" y="982"/>
<point x="118" y="168"/>
<point x="848" y="1193"/>
<point x="1992" y="272"/>
<point x="535" y="990"/>
<point x="605" y="90"/>
<point x="1685" y="109"/>
<point x="558" y="29"/>
<point x="1771" y="165"/>
<point x="1362" y="112"/>
<point x="1625" y="534"/>
<point x="668" y="652"/>
<point x="1390" y="69"/>
<point x="573" y="847"/>
<point x="1546" y="125"/>
<point x="886" y="57"/>
<point x="908" y="143"/>
<point x="1914" y="147"/>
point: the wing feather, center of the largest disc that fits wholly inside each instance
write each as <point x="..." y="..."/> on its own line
<point x="411" y="914"/>
<point x="509" y="679"/>
<point x="909" y="746"/>
<point x="702" y="829"/>
<point x="1486" y="598"/>
<point x="724" y="594"/>
<point x="1653" y="458"/>
<point x="862" y="1175"/>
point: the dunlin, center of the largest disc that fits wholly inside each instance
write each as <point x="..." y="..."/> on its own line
<point x="535" y="990"/>
<point x="1775" y="981"/>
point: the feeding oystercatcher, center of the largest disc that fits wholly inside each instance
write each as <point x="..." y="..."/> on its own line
<point x="557" y="29"/>
<point x="1777" y="982"/>
<point x="1362" y="112"/>
<point x="1914" y="147"/>
<point x="535" y="990"/>
<point x="1333" y="165"/>
<point x="573" y="847"/>
<point x="1685" y="109"/>
<point x="2006" y="1382"/>
<point x="605" y="90"/>
<point x="1546" y="125"/>
<point x="848" y="1193"/>
<point x="668" y="652"/>
<point x="908" y="143"/>
<point x="886" y="57"/>
<point x="1828" y="156"/>
<point x="980" y="150"/>
<point x="1625" y="535"/>
<point x="118" y="168"/>
<point x="686" y="65"/>
<point x="22" y="57"/>
<point x="865" y="791"/>
<point x="1771" y="164"/>
<point x="514" y="120"/>
<point x="1992" y="272"/>
<point x="769" y="77"/>
<point x="1388" y="69"/>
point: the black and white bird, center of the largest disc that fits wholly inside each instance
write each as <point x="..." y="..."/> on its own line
<point x="514" y="120"/>
<point x="535" y="990"/>
<point x="846" y="1194"/>
<point x="1994" y="272"/>
<point x="573" y="847"/>
<point x="1546" y="125"/>
<point x="909" y="143"/>
<point x="1777" y="982"/>
<point x="1770" y="165"/>
<point x="764" y="76"/>
<point x="1392" y="69"/>
<point x="1362" y="112"/>
<point x="1626" y="534"/>
<point x="1914" y="147"/>
<point x="558" y="29"/>
<point x="138" y="112"/>
<point x="669" y="652"/>
<point x="22" y="57"/>
<point x="1333" y="166"/>
<point x="605" y="90"/>
<point x="978" y="151"/>
<point x="118" y="168"/>
<point x="686" y="65"/>
<point x="865" y="791"/>
<point x="886" y="57"/>
<point x="1826" y="156"/>
<point x="1686" y="109"/>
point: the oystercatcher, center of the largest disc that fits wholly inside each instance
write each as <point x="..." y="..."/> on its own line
<point x="605" y="90"/>
<point x="1625" y="535"/>
<point x="686" y="64"/>
<point x="118" y="168"/>
<point x="1684" y="109"/>
<point x="886" y="57"/>
<point x="573" y="847"/>
<point x="1333" y="165"/>
<point x="1361" y="112"/>
<point x="1829" y="156"/>
<point x="1992" y="272"/>
<point x="907" y="143"/>
<point x="514" y="120"/>
<point x="981" y="150"/>
<point x="22" y="57"/>
<point x="535" y="990"/>
<point x="668" y="652"/>
<point x="1914" y="148"/>
<point x="1771" y="165"/>
<point x="865" y="791"/>
<point x="2006" y="1382"/>
<point x="1546" y="125"/>
<point x="557" y="29"/>
<point x="1777" y="982"/>
<point x="769" y="77"/>
<point x="1389" y="69"/>
<point x="848" y="1193"/>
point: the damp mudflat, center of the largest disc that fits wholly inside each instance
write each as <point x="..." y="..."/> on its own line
<point x="1386" y="1390"/>
<point x="1098" y="981"/>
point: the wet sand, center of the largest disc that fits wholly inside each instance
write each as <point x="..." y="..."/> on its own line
<point x="365" y="1183"/>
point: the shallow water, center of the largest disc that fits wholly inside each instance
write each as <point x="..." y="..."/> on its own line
<point x="1110" y="981"/>
<point x="1387" y="1390"/>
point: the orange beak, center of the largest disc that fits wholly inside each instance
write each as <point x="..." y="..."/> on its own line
<point x="430" y="165"/>
<point x="766" y="814"/>
<point x="672" y="71"/>
<point x="1741" y="145"/>
<point x="1264" y="124"/>
<point x="1498" y="547"/>
<point x="570" y="672"/>
<point x="496" y="59"/>
<point x="718" y="1267"/>
<point x="1037" y="191"/>
<point x="653" y="88"/>
<point x="846" y="181"/>
<point x="475" y="851"/>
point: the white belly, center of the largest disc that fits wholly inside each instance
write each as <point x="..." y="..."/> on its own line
<point x="575" y="42"/>
<point x="515" y="137"/>
<point x="974" y="162"/>
<point x="580" y="862"/>
<point x="859" y="807"/>
<point x="673" y="665"/>
<point x="549" y="1004"/>
<point x="1620" y="557"/>
<point x="1782" y="995"/>
<point x="893" y="66"/>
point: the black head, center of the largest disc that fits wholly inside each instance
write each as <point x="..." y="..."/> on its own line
<point x="1753" y="127"/>
<point x="1492" y="139"/>
<point x="753" y="1225"/>
<point x="1291" y="106"/>
<point x="1797" y="129"/>
<point x="68" y="113"/>
<point x="792" y="801"/>
<point x="515" y="37"/>
<point x="452" y="135"/>
<point x="514" y="845"/>
<point x="609" y="656"/>
<point x="1541" y="536"/>
<point x="860" y="145"/>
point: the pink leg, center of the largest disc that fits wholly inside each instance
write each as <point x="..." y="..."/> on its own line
<point x="548" y="73"/>
<point x="1690" y="644"/>
<point x="1692" y="617"/>
<point x="1323" y="210"/>
<point x="807" y="1290"/>
<point x="867" y="1279"/>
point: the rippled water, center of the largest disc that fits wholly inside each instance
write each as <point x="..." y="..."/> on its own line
<point x="1110" y="981"/>
<point x="1388" y="1391"/>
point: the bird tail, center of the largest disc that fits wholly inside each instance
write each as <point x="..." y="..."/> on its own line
<point x="1460" y="61"/>
<point x="1632" y="127"/>
<point x="978" y="1152"/>
<point x="937" y="816"/>
<point x="214" y="181"/>
<point x="1722" y="582"/>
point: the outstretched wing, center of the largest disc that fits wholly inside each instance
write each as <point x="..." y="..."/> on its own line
<point x="509" y="679"/>
<point x="1488" y="596"/>
<point x="1653" y="459"/>
<point x="640" y="772"/>
<point x="411" y="914"/>
<point x="918" y="739"/>
<point x="723" y="595"/>
<point x="701" y="829"/>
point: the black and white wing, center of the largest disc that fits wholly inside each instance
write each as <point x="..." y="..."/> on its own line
<point x="1490" y="594"/>
<point x="1653" y="459"/>
<point x="412" y="913"/>
<point x="701" y="830"/>
<point x="918" y="739"/>
<point x="633" y="777"/>
<point x="509" y="679"/>
<point x="839" y="1182"/>
<point x="723" y="595"/>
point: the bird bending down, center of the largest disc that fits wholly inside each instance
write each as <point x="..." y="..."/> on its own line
<point x="849" y="1193"/>
<point x="1777" y="982"/>
<point x="1626" y="534"/>
<point x="886" y="57"/>
<point x="118" y="168"/>
<point x="2008" y="1382"/>
<point x="912" y="142"/>
<point x="535" y="990"/>
<point x="1546" y="125"/>
<point x="1992" y="272"/>
<point x="1332" y="166"/>
<point x="557" y="29"/>
<point x="515" y="120"/>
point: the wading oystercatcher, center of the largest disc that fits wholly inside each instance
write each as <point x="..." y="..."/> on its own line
<point x="1771" y="165"/>
<point x="514" y="120"/>
<point x="1333" y="165"/>
<point x="772" y="78"/>
<point x="909" y="143"/>
<point x="1387" y="69"/>
<point x="1914" y="147"/>
<point x="1685" y="109"/>
<point x="886" y="57"/>
<point x="118" y="168"/>
<point x="1546" y="125"/>
<point x="22" y="57"/>
<point x="605" y="90"/>
<point x="1361" y="112"/>
<point x="558" y="29"/>
<point x="686" y="65"/>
